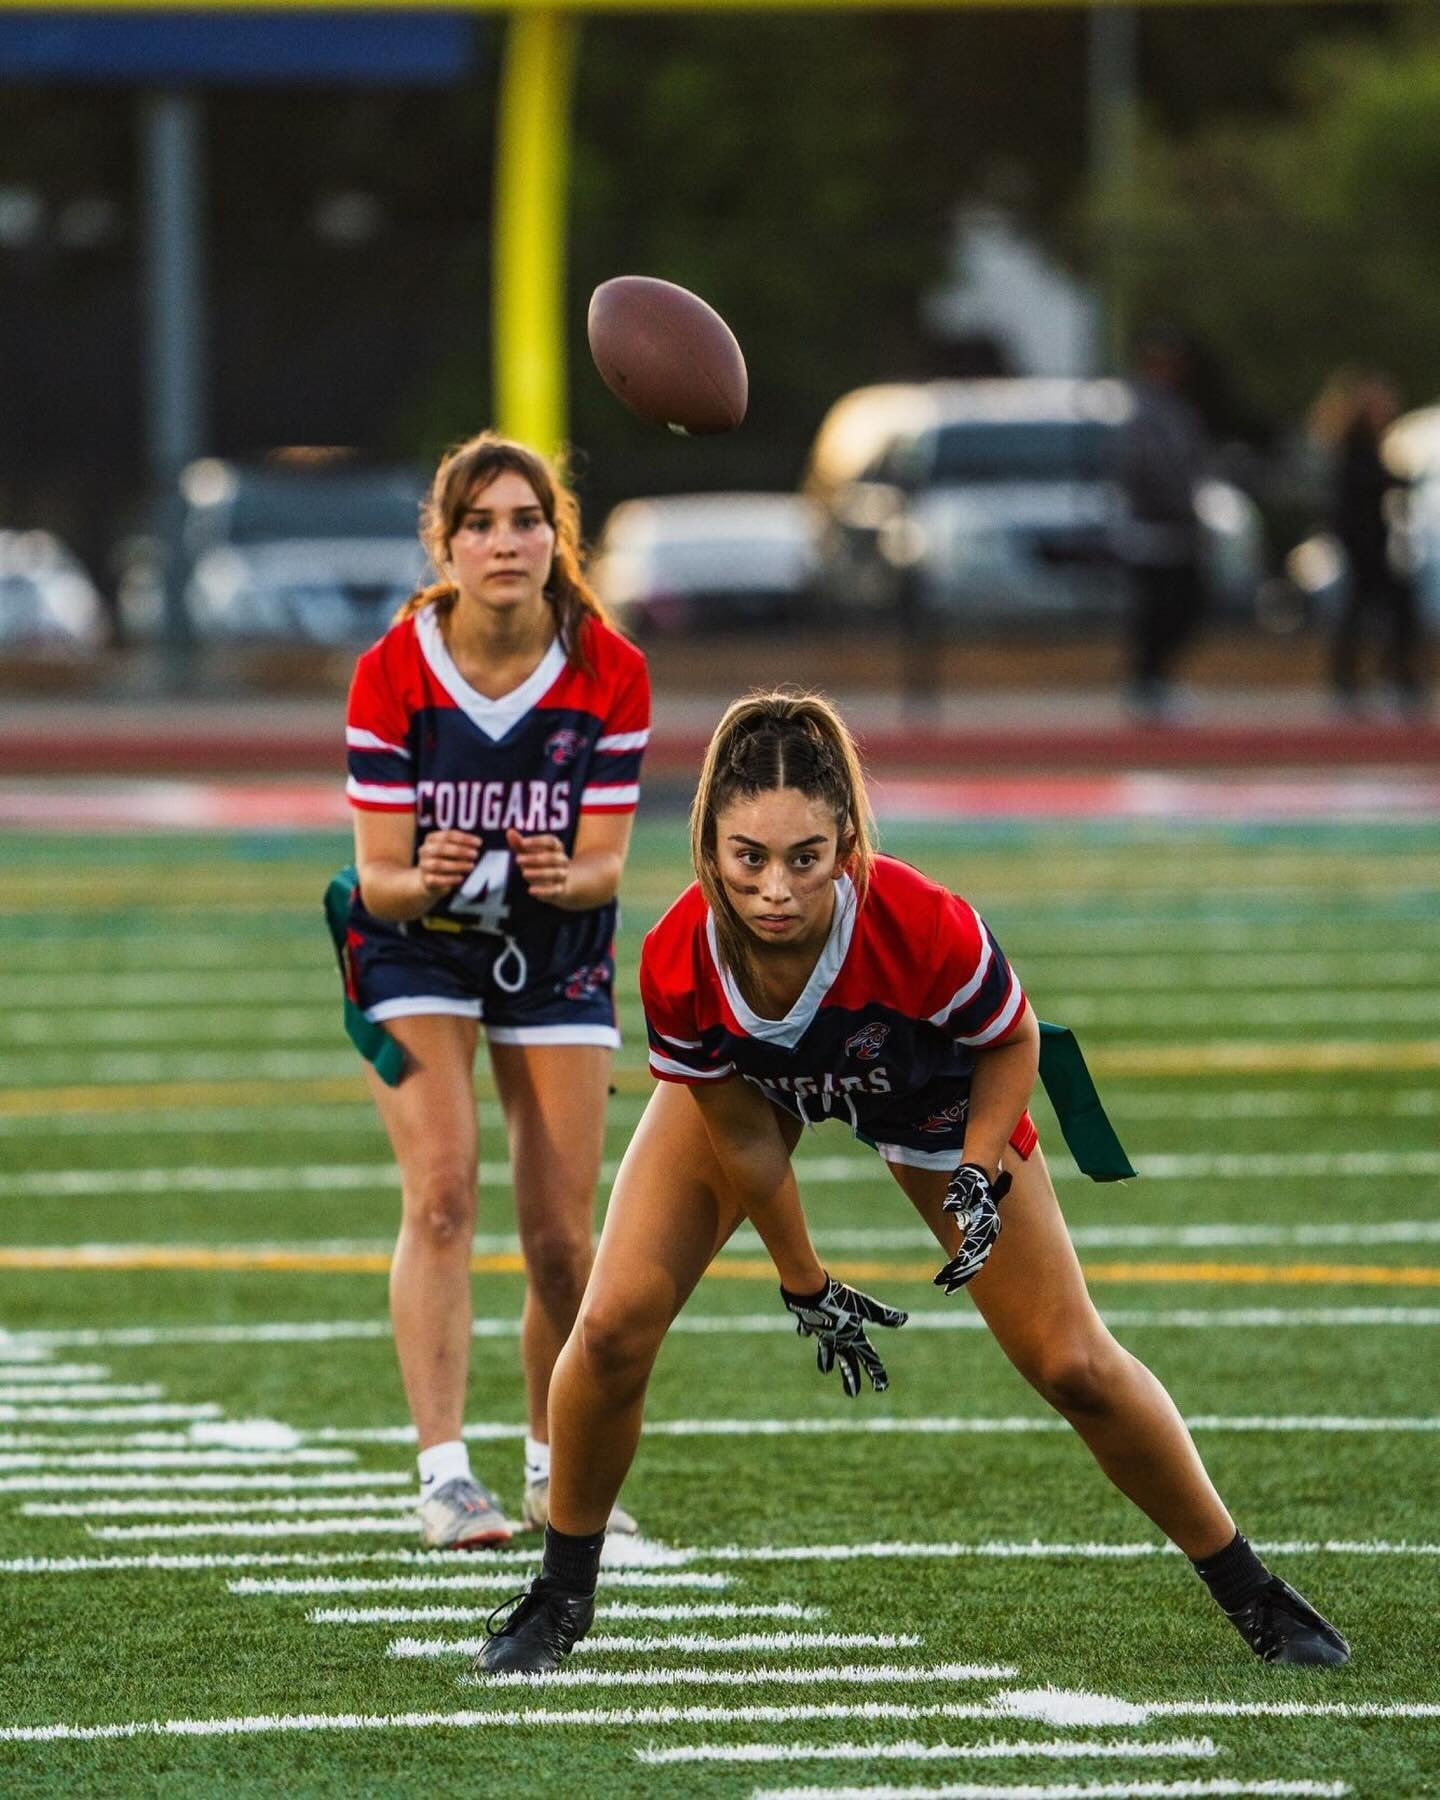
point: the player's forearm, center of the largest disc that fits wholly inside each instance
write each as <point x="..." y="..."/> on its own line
<point x="593" y="879"/>
<point x="771" y="1202"/>
<point x="1000" y="1089"/>
<point x="394" y="891"/>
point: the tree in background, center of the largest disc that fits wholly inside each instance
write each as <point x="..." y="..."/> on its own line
<point x="1296" y="242"/>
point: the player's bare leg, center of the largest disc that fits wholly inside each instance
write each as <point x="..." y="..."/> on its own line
<point x="431" y="1124"/>
<point x="669" y="1213"/>
<point x="553" y="1096"/>
<point x="1033" y="1297"/>
<point x="430" y="1120"/>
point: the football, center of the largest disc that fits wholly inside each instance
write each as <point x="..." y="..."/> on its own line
<point x="667" y="355"/>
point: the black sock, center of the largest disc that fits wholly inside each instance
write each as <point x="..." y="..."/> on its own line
<point x="572" y="1562"/>
<point x="1233" y="1575"/>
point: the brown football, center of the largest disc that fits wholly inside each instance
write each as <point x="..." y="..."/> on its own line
<point x="671" y="358"/>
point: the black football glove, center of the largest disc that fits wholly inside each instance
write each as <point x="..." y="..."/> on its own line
<point x="972" y="1198"/>
<point x="836" y="1317"/>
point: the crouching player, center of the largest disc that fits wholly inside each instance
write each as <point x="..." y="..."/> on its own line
<point x="805" y="977"/>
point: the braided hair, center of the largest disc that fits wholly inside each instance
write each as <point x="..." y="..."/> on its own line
<point x="768" y="741"/>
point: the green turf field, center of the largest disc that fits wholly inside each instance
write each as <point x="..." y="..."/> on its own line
<point x="194" y="1604"/>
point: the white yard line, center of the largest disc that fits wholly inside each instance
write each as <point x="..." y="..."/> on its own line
<point x="320" y="1331"/>
<point x="693" y="1643"/>
<point x="191" y="1505"/>
<point x="1218" y="1789"/>
<point x="497" y="1719"/>
<point x="170" y="1459"/>
<point x="344" y="1119"/>
<point x="635" y="1611"/>
<point x="71" y="1483"/>
<point x="469" y="1581"/>
<point x="64" y="1068"/>
<point x="106" y="1415"/>
<point x="482" y="1431"/>
<point x="910" y="1750"/>
<point x="35" y="1368"/>
<point x="1067" y="1707"/>
<point x="824" y="1675"/>
<point x="28" y="1393"/>
<point x="1217" y="1103"/>
<point x="255" y="1530"/>
<point x="851" y="1239"/>
<point x="60" y="1184"/>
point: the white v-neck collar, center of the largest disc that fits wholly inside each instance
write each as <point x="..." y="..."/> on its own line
<point x="493" y="717"/>
<point x="787" y="1032"/>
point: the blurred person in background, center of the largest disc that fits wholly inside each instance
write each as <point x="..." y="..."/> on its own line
<point x="804" y="977"/>
<point x="1165" y="455"/>
<point x="1366" y="515"/>
<point x="494" y="738"/>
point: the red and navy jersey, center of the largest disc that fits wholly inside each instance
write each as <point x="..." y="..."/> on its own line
<point x="909" y="986"/>
<point x="567" y="741"/>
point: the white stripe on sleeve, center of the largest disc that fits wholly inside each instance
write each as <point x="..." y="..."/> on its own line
<point x="610" y="796"/>
<point x="972" y="986"/>
<point x="359" y="739"/>
<point x="623" y="740"/>
<point x="664" y="1065"/>
<point x="1002" y="1021"/>
<point x="369" y="793"/>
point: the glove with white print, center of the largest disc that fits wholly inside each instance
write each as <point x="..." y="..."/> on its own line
<point x="972" y="1199"/>
<point x="836" y="1318"/>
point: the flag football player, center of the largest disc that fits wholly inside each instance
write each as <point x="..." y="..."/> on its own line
<point x="494" y="741"/>
<point x="803" y="978"/>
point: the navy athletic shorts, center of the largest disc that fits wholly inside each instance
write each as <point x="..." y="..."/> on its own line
<point x="545" y="986"/>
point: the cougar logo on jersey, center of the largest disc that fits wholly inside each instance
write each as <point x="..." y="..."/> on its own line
<point x="946" y="1117"/>
<point x="562" y="746"/>
<point x="586" y="981"/>
<point x="865" y="1044"/>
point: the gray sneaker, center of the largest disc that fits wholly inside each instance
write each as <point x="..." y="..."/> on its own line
<point x="463" y="1515"/>
<point x="535" y="1511"/>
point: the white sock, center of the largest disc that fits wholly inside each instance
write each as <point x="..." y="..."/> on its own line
<point x="537" y="1461"/>
<point x="442" y="1463"/>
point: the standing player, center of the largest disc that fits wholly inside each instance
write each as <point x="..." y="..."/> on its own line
<point x="804" y="977"/>
<point x="494" y="735"/>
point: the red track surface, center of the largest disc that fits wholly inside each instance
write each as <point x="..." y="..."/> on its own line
<point x="123" y="746"/>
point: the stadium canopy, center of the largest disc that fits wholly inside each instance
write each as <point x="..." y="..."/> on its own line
<point x="533" y="139"/>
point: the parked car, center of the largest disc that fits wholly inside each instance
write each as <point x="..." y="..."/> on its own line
<point x="49" y="606"/>
<point x="708" y="562"/>
<point x="999" y="499"/>
<point x="284" y="555"/>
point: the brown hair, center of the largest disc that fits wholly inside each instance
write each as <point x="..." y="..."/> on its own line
<point x="475" y="464"/>
<point x="779" y="739"/>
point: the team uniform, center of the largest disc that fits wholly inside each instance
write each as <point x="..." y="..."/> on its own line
<point x="909" y="986"/>
<point x="566" y="742"/>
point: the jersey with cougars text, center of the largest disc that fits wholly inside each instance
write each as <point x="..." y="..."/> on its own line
<point x="909" y="986"/>
<point x="567" y="741"/>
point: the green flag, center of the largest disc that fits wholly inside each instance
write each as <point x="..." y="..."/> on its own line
<point x="373" y="1041"/>
<point x="1088" y="1133"/>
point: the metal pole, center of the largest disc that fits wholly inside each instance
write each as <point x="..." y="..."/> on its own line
<point x="1112" y="116"/>
<point x="531" y="182"/>
<point x="173" y="302"/>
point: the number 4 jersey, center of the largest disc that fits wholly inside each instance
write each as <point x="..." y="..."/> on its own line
<point x="565" y="742"/>
<point x="909" y="986"/>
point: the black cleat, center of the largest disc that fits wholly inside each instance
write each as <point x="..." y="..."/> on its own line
<point x="1280" y="1626"/>
<point x="544" y="1626"/>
